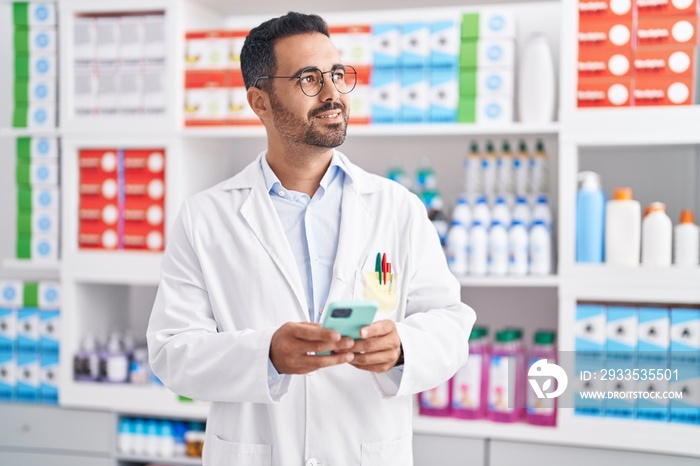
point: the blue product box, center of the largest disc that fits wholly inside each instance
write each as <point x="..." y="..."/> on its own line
<point x="444" y="95"/>
<point x="590" y="331"/>
<point x="622" y="334"/>
<point x="415" y="95"/>
<point x="445" y="42"/>
<point x="49" y="295"/>
<point x="685" y="336"/>
<point x="385" y="89"/>
<point x="591" y="383"/>
<point x="386" y="45"/>
<point x="415" y="45"/>
<point x="653" y="355"/>
<point x="685" y="410"/>
<point x="11" y="294"/>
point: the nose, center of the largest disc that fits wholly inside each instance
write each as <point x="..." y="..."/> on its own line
<point x="329" y="91"/>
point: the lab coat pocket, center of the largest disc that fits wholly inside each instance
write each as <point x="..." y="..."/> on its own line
<point x="396" y="453"/>
<point x="386" y="294"/>
<point x="225" y="452"/>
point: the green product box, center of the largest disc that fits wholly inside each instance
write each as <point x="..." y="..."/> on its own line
<point x="24" y="199"/>
<point x="24" y="224"/>
<point x="466" y="112"/>
<point x="468" y="54"/>
<point x="19" y="117"/>
<point x="22" y="62"/>
<point x="34" y="13"/>
<point x="21" y="41"/>
<point x="21" y="91"/>
<point x="31" y="294"/>
<point x="24" y="149"/>
<point x="24" y="247"/>
<point x="20" y="13"/>
<point x="467" y="82"/>
<point x="470" y="26"/>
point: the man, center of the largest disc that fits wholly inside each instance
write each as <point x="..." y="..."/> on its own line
<point x="252" y="263"/>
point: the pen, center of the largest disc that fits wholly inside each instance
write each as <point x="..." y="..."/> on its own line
<point x="384" y="267"/>
<point x="378" y="266"/>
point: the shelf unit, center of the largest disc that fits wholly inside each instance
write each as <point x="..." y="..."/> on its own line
<point x="170" y="461"/>
<point x="80" y="270"/>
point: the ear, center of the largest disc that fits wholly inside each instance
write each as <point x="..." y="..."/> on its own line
<point x="259" y="101"/>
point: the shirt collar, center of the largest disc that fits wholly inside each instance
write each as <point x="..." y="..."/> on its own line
<point x="273" y="183"/>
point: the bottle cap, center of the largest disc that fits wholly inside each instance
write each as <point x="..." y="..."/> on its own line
<point x="462" y="200"/>
<point x="656" y="207"/>
<point x="478" y="333"/>
<point x="539" y="147"/>
<point x="521" y="200"/>
<point x="506" y="146"/>
<point x="489" y="147"/>
<point x="509" y="335"/>
<point x="517" y="221"/>
<point x="522" y="146"/>
<point x="481" y="200"/>
<point x="455" y="222"/>
<point x="500" y="200"/>
<point x="544" y="337"/>
<point x="622" y="194"/>
<point x="474" y="149"/>
<point x="542" y="199"/>
<point x="589" y="181"/>
<point x="687" y="216"/>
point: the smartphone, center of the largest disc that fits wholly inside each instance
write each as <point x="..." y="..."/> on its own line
<point x="348" y="317"/>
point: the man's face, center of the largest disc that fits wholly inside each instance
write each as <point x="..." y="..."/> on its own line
<point x="319" y="121"/>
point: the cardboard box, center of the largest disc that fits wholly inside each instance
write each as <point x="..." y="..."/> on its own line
<point x="488" y="23"/>
<point x="686" y="410"/>
<point x="34" y="14"/>
<point x="132" y="37"/>
<point x="97" y="235"/>
<point x="604" y="92"/>
<point x="36" y="65"/>
<point x="85" y="85"/>
<point x="487" y="53"/>
<point x="99" y="164"/>
<point x="8" y="377"/>
<point x="38" y="148"/>
<point x="107" y="39"/>
<point x="153" y="98"/>
<point x="35" y="39"/>
<point x="386" y="45"/>
<point x="666" y="7"/>
<point x="415" y="45"/>
<point x="605" y="34"/>
<point x="360" y="98"/>
<point x="664" y="90"/>
<point x="354" y="42"/>
<point x="30" y="199"/>
<point x="41" y="173"/>
<point x="35" y="91"/>
<point x="593" y="10"/>
<point x="107" y="91"/>
<point x="489" y="110"/>
<point x="144" y="162"/>
<point x="84" y="39"/>
<point x="153" y="189"/>
<point x="40" y="222"/>
<point x="385" y="91"/>
<point x="34" y="116"/>
<point x="415" y="95"/>
<point x="154" y="45"/>
<point x="445" y="43"/>
<point x="11" y="294"/>
<point x="49" y="295"/>
<point x="206" y="98"/>
<point x="604" y="63"/>
<point x="486" y="82"/>
<point x="96" y="209"/>
<point x="667" y="30"/>
<point x="665" y="61"/>
<point x="444" y="95"/>
<point x="208" y="50"/>
<point x="653" y="354"/>
<point x="37" y="247"/>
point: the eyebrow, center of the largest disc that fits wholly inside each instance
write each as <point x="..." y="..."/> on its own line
<point x="298" y="72"/>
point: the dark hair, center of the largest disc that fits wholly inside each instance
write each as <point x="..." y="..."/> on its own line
<point x="258" y="53"/>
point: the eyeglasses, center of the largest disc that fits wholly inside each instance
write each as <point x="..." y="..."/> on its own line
<point x="343" y="77"/>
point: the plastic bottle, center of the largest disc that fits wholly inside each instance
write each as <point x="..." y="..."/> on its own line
<point x="436" y="401"/>
<point x="125" y="438"/>
<point x="482" y="212"/>
<point x="114" y="361"/>
<point x="541" y="411"/>
<point x="139" y="436"/>
<point x="657" y="234"/>
<point x="518" y="245"/>
<point x="470" y="383"/>
<point x="397" y="173"/>
<point x="478" y="249"/>
<point x="686" y="240"/>
<point x="139" y="368"/>
<point x="439" y="219"/>
<point x="472" y="172"/>
<point x="86" y="363"/>
<point x="498" y="249"/>
<point x="540" y="249"/>
<point x="457" y="246"/>
<point x="506" y="391"/>
<point x="152" y="440"/>
<point x="542" y="212"/>
<point x="504" y="182"/>
<point x="521" y="170"/>
<point x="623" y="221"/>
<point x="522" y="212"/>
<point x="590" y="219"/>
<point x="536" y="82"/>
<point x="462" y="212"/>
<point x="166" y="439"/>
<point x="425" y="176"/>
<point x="501" y="212"/>
<point x="488" y="171"/>
<point x="539" y="171"/>
<point x="179" y="429"/>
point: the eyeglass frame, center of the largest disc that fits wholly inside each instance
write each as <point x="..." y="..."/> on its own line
<point x="322" y="81"/>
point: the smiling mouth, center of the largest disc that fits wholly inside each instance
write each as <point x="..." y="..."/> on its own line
<point x="332" y="116"/>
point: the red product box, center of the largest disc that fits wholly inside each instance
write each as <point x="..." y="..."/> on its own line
<point x="139" y="210"/>
<point x="604" y="62"/>
<point x="99" y="161"/>
<point x="97" y="235"/>
<point x="605" y="34"/>
<point x="666" y="7"/>
<point x="147" y="187"/>
<point x="97" y="185"/>
<point x="664" y="90"/>
<point x="667" y="30"/>
<point x="142" y="237"/>
<point x="665" y="61"/>
<point x="96" y="209"/>
<point x="604" y="9"/>
<point x="604" y="92"/>
<point x="144" y="161"/>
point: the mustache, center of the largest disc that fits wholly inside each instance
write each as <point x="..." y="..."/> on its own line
<point x="327" y="107"/>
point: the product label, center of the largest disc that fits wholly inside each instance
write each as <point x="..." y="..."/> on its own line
<point x="466" y="392"/>
<point x="666" y="7"/>
<point x="608" y="62"/>
<point x="605" y="34"/>
<point x="502" y="384"/>
<point x="604" y="9"/>
<point x="665" y="61"/>
<point x="667" y="30"/>
<point x="436" y="398"/>
<point x="604" y="92"/>
<point x="660" y="90"/>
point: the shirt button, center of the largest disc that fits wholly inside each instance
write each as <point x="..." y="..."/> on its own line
<point x="315" y="258"/>
<point x="281" y="193"/>
<point x="312" y="462"/>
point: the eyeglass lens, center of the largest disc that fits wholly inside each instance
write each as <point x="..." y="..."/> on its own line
<point x="312" y="80"/>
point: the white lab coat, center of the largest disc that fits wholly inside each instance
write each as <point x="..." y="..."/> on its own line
<point x="229" y="280"/>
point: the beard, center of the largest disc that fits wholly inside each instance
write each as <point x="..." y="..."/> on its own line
<point x="305" y="131"/>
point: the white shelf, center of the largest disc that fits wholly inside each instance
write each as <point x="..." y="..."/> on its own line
<point x="512" y="282"/>
<point x="573" y="430"/>
<point x="634" y="126"/>
<point x="635" y="284"/>
<point x="31" y="265"/>
<point x="115" y="267"/>
<point x="131" y="400"/>
<point x="26" y="132"/>
<point x="174" y="461"/>
<point x="456" y="129"/>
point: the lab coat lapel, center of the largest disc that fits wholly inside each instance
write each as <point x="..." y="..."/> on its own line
<point x="260" y="214"/>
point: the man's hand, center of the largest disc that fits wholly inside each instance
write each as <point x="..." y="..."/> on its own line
<point x="380" y="347"/>
<point x="292" y="343"/>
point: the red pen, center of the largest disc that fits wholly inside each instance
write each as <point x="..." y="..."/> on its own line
<point x="384" y="267"/>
